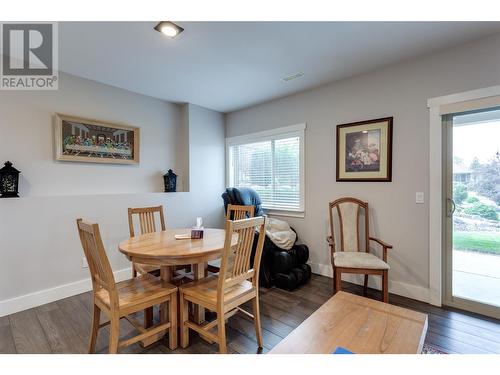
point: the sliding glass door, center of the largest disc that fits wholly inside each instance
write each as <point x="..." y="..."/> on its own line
<point x="472" y="212"/>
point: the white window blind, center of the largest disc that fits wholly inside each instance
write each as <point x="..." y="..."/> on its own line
<point x="272" y="165"/>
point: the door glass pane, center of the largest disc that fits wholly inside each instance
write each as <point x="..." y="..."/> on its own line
<point x="476" y="193"/>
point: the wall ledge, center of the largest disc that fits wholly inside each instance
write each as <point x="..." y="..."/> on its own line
<point x="42" y="196"/>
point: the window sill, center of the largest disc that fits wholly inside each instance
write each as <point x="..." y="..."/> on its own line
<point x="274" y="212"/>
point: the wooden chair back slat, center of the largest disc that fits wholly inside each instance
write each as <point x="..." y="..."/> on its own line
<point x="93" y="248"/>
<point x="349" y="211"/>
<point x="243" y="250"/>
<point x="236" y="268"/>
<point x="147" y="222"/>
<point x="239" y="212"/>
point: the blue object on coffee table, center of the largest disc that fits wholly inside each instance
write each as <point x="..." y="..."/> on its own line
<point x="341" y="350"/>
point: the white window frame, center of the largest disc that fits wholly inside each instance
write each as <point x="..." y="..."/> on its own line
<point x="269" y="135"/>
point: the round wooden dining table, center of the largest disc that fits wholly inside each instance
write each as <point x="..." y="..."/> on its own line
<point x="164" y="250"/>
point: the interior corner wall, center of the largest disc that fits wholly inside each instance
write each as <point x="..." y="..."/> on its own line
<point x="401" y="91"/>
<point x="40" y="253"/>
<point x="182" y="149"/>
<point x="207" y="160"/>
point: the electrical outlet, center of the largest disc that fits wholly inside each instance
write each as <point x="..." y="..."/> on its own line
<point x="84" y="263"/>
<point x="419" y="197"/>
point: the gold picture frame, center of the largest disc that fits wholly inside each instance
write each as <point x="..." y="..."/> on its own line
<point x="364" y="151"/>
<point x="92" y="141"/>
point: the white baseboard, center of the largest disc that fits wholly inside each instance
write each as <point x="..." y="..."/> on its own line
<point x="28" y="301"/>
<point x="396" y="287"/>
<point x="41" y="297"/>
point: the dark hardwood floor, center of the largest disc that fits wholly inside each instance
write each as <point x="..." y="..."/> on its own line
<point x="63" y="326"/>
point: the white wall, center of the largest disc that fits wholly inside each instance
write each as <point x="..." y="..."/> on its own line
<point x="400" y="91"/>
<point x="206" y="161"/>
<point x="40" y="253"/>
<point x="27" y="137"/>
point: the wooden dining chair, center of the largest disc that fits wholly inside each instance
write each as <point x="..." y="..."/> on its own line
<point x="236" y="283"/>
<point x="239" y="212"/>
<point x="352" y="255"/>
<point x="234" y="212"/>
<point x="119" y="300"/>
<point x="147" y="223"/>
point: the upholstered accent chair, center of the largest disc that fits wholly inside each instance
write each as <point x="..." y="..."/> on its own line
<point x="349" y="242"/>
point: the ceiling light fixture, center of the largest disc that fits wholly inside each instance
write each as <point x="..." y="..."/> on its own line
<point x="293" y="76"/>
<point x="169" y="29"/>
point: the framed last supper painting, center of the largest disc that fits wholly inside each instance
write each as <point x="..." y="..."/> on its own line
<point x="91" y="141"/>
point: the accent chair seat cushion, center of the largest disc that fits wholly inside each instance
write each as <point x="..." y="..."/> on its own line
<point x="355" y="259"/>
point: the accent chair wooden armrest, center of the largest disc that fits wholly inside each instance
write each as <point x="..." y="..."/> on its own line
<point x="384" y="245"/>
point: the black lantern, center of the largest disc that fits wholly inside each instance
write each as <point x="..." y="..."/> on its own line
<point x="9" y="181"/>
<point x="170" y="179"/>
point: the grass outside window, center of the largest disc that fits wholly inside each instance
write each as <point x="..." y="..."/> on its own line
<point x="484" y="242"/>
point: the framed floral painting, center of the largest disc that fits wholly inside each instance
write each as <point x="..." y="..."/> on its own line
<point x="364" y="150"/>
<point x="91" y="141"/>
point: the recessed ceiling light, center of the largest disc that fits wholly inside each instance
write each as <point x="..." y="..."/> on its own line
<point x="293" y="76"/>
<point x="169" y="29"/>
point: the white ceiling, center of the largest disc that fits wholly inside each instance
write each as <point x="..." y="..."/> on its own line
<point x="227" y="66"/>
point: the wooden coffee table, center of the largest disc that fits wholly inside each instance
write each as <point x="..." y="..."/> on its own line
<point x="358" y="324"/>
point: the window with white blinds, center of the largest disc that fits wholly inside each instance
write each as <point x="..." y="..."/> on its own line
<point x="272" y="164"/>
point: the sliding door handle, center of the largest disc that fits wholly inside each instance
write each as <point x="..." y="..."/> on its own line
<point x="451" y="207"/>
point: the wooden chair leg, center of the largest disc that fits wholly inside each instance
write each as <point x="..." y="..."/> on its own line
<point x="172" y="333"/>
<point x="221" y="331"/>
<point x="334" y="281"/>
<point x="184" y="316"/>
<point x="365" y="286"/>
<point x="256" y="318"/>
<point x="338" y="281"/>
<point x="96" y="316"/>
<point x="385" y="286"/>
<point x="114" y="334"/>
<point x="148" y="317"/>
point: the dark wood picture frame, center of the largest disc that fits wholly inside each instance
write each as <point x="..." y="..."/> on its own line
<point x="384" y="149"/>
<point x="93" y="153"/>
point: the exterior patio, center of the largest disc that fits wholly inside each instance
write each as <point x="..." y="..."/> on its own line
<point x="476" y="276"/>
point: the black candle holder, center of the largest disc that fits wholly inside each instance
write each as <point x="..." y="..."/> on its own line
<point x="170" y="179"/>
<point x="9" y="181"/>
